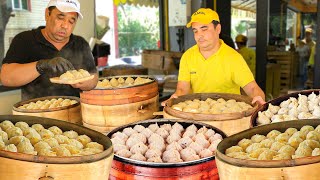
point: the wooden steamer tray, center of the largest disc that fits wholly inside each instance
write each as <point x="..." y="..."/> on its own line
<point x="230" y="123"/>
<point x="70" y="113"/>
<point x="236" y="169"/>
<point x="104" y="109"/>
<point x="17" y="166"/>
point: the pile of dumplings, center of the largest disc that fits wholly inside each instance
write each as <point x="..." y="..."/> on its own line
<point x="36" y="140"/>
<point x="48" y="104"/>
<point x="74" y="75"/>
<point x="305" y="107"/>
<point x="290" y="144"/>
<point x="122" y="82"/>
<point x="165" y="143"/>
<point x="210" y="106"/>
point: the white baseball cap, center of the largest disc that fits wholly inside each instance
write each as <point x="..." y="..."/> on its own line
<point x="67" y="6"/>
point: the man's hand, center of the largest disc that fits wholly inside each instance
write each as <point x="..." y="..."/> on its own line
<point x="55" y="66"/>
<point x="259" y="100"/>
<point x="164" y="103"/>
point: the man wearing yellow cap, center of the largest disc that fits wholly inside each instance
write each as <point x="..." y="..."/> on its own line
<point x="211" y="66"/>
<point x="248" y="54"/>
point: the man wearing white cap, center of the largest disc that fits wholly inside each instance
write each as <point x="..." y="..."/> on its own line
<point x="211" y="66"/>
<point x="37" y="55"/>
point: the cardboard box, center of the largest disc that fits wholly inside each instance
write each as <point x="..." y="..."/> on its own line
<point x="161" y="60"/>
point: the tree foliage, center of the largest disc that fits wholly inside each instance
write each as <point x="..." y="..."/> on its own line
<point x="136" y="34"/>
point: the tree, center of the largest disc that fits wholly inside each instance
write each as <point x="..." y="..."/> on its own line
<point x="5" y="11"/>
<point x="135" y="34"/>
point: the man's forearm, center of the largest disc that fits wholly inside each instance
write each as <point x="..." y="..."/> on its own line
<point x="15" y="74"/>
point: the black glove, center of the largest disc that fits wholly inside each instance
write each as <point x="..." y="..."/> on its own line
<point x="55" y="66"/>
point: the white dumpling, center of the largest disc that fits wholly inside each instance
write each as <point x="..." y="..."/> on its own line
<point x="316" y="112"/>
<point x="185" y="142"/>
<point x="118" y="147"/>
<point x="124" y="153"/>
<point x="138" y="157"/>
<point x="293" y="103"/>
<point x="312" y="96"/>
<point x="283" y="110"/>
<point x="153" y="153"/>
<point x="305" y="115"/>
<point x="174" y="145"/>
<point x="139" y="148"/>
<point x="273" y="109"/>
<point x="171" y="156"/>
<point x="302" y="99"/>
<point x="277" y="118"/>
<point x="138" y="128"/>
<point x="188" y="154"/>
<point x="142" y="138"/>
<point x="293" y="112"/>
<point x="120" y="135"/>
<point x="303" y="108"/>
<point x="213" y="146"/>
<point x="285" y="104"/>
<point x="262" y="118"/>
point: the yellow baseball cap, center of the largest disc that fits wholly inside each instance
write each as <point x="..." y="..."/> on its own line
<point x="309" y="30"/>
<point x="204" y="16"/>
<point x="241" y="38"/>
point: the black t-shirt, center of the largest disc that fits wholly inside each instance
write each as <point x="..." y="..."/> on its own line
<point x="30" y="46"/>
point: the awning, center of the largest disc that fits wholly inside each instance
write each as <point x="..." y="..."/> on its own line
<point x="147" y="3"/>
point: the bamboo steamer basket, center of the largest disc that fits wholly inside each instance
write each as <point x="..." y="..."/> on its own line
<point x="277" y="102"/>
<point x="70" y="113"/>
<point x="17" y="166"/>
<point x="230" y="123"/>
<point x="129" y="169"/>
<point x="105" y="109"/>
<point x="301" y="168"/>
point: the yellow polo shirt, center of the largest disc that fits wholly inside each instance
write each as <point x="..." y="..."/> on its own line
<point x="249" y="55"/>
<point x="223" y="72"/>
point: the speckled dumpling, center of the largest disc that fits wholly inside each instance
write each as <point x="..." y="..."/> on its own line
<point x="26" y="147"/>
<point x="51" y="141"/>
<point x="62" y="139"/>
<point x="14" y="131"/>
<point x="6" y="125"/>
<point x="22" y="125"/>
<point x="55" y="130"/>
<point x="71" y="134"/>
<point x="61" y="151"/>
<point x="41" y="145"/>
<point x="17" y="139"/>
<point x="94" y="145"/>
<point x="46" y="134"/>
<point x="84" y="139"/>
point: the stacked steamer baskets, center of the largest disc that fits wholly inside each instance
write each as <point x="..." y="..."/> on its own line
<point x="299" y="105"/>
<point x="282" y="150"/>
<point x="119" y="100"/>
<point x="65" y="108"/>
<point x="43" y="148"/>
<point x="165" y="149"/>
<point x="229" y="112"/>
